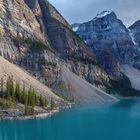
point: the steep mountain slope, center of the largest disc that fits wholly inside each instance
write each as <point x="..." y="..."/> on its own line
<point x="34" y="36"/>
<point x="17" y="20"/>
<point x="79" y="90"/>
<point x="133" y="74"/>
<point x="135" y="30"/>
<point x="72" y="82"/>
<point x="135" y="34"/>
<point x="7" y="69"/>
<point x="48" y="29"/>
<point x="110" y="40"/>
<point x="61" y="38"/>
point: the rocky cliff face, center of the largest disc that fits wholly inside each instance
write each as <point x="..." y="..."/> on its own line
<point x="111" y="41"/>
<point x="105" y="26"/>
<point x="17" y="20"/>
<point x="35" y="36"/>
<point x="135" y="32"/>
<point x="135" y="35"/>
<point x="58" y="31"/>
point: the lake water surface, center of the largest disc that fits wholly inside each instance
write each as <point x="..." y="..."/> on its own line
<point x="111" y="121"/>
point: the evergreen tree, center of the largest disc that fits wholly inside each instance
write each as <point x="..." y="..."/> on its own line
<point x="26" y="103"/>
<point x="23" y="95"/>
<point x="46" y="102"/>
<point x="8" y="88"/>
<point x="12" y="90"/>
<point x="29" y="96"/>
<point x="2" y="87"/>
<point x="33" y="102"/>
<point x="18" y="92"/>
<point x="36" y="99"/>
<point x="41" y="101"/>
<point x="53" y="105"/>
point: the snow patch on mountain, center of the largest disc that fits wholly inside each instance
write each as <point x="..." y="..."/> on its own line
<point x="103" y="14"/>
<point x="75" y="26"/>
<point x="75" y="29"/>
<point x="132" y="37"/>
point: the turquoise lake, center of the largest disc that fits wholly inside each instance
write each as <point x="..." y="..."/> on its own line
<point x="109" y="121"/>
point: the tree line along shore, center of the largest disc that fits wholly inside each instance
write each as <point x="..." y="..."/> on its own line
<point x="12" y="93"/>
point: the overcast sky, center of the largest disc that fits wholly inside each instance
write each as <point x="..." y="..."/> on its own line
<point x="85" y="10"/>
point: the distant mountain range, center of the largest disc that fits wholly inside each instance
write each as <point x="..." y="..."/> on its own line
<point x="112" y="42"/>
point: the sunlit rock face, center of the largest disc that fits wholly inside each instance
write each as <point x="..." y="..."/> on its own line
<point x="34" y="36"/>
<point x="17" y="20"/>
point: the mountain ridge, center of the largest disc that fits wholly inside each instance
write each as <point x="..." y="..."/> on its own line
<point x="107" y="35"/>
<point x="45" y="43"/>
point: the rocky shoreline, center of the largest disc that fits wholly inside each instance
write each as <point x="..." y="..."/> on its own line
<point x="41" y="115"/>
<point x="38" y="116"/>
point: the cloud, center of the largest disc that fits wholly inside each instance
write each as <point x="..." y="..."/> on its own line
<point x="84" y="10"/>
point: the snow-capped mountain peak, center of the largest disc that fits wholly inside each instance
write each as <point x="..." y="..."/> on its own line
<point x="108" y="36"/>
<point x="103" y="14"/>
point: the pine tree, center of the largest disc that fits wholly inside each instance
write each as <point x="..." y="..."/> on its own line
<point x="8" y="88"/>
<point x="53" y="105"/>
<point x="46" y="102"/>
<point x="25" y="100"/>
<point x="2" y="87"/>
<point x="33" y="101"/>
<point x="12" y="90"/>
<point x="26" y="104"/>
<point x="41" y="101"/>
<point x="18" y="92"/>
<point x="36" y="99"/>
<point x="23" y="94"/>
<point x="29" y="96"/>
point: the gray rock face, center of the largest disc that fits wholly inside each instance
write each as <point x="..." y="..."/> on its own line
<point x="17" y="20"/>
<point x="135" y="30"/>
<point x="110" y="40"/>
<point x="104" y="26"/>
<point x="36" y="37"/>
<point x="58" y="31"/>
<point x="78" y="89"/>
<point x="135" y="34"/>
